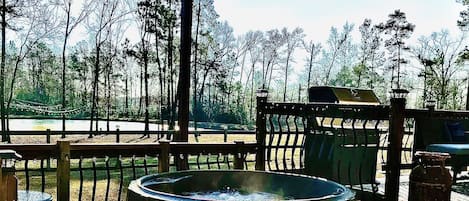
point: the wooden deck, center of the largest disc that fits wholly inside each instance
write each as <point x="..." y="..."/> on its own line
<point x="460" y="191"/>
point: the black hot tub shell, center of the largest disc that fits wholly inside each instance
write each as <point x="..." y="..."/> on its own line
<point x="177" y="185"/>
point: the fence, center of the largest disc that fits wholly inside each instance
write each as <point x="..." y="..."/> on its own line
<point x="110" y="167"/>
<point x="346" y="143"/>
<point x="168" y="134"/>
<point x="338" y="142"/>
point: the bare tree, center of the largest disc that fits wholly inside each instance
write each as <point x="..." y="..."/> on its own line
<point x="313" y="50"/>
<point x="105" y="14"/>
<point x="335" y="45"/>
<point x="40" y="22"/>
<point x="439" y="55"/>
<point x="70" y="24"/>
<point x="292" y="41"/>
<point x="371" y="57"/>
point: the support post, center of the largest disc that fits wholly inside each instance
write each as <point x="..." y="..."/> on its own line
<point x="8" y="183"/>
<point x="260" y="129"/>
<point x="239" y="156"/>
<point x="225" y="135"/>
<point x="117" y="135"/>
<point x="63" y="170"/>
<point x="163" y="158"/>
<point x="396" y="132"/>
<point x="48" y="142"/>
<point x="48" y="136"/>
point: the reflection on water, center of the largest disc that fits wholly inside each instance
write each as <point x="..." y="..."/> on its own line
<point x="165" y="180"/>
<point x="234" y="195"/>
<point x="56" y="124"/>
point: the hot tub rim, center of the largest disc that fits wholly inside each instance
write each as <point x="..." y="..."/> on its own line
<point x="139" y="182"/>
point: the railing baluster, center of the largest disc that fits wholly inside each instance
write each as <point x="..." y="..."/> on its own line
<point x="26" y="173"/>
<point x="134" y="174"/>
<point x="279" y="139"/>
<point x="108" y="177"/>
<point x="121" y="177"/>
<point x="295" y="141"/>
<point x="95" y="179"/>
<point x="208" y="161"/>
<point x="227" y="157"/>
<point x="287" y="140"/>
<point x="271" y="140"/>
<point x="218" y="161"/>
<point x="306" y="131"/>
<point x="80" y="168"/>
<point x="198" y="160"/>
<point x="43" y="176"/>
<point x="145" y="164"/>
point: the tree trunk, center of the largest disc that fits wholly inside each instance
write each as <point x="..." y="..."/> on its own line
<point x="64" y="104"/>
<point x="161" y="75"/>
<point x="145" y="62"/>
<point x="140" y="99"/>
<point x="184" y="72"/>
<point x="108" y="94"/>
<point x="286" y="79"/>
<point x="2" y="75"/>
<point x="170" y="81"/>
<point x="196" y="49"/>
<point x="94" y="98"/>
<point x="126" y="95"/>
<point x="310" y="67"/>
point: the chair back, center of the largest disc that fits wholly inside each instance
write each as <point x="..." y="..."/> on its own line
<point x="455" y="132"/>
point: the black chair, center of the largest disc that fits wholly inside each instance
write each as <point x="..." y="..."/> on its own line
<point x="457" y="147"/>
<point x="455" y="132"/>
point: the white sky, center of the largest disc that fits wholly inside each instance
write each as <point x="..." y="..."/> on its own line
<point x="317" y="16"/>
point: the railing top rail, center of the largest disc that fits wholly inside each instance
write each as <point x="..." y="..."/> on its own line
<point x="77" y="150"/>
<point x="125" y="132"/>
<point x="32" y="151"/>
<point x="436" y="114"/>
<point x="376" y="112"/>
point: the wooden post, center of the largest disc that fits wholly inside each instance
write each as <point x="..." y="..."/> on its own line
<point x="239" y="156"/>
<point x="8" y="180"/>
<point x="260" y="132"/>
<point x="3" y="188"/>
<point x="225" y="135"/>
<point x="63" y="170"/>
<point x="163" y="158"/>
<point x="396" y="132"/>
<point x="196" y="136"/>
<point x="117" y="135"/>
<point x="48" y="141"/>
<point x="8" y="184"/>
<point x="48" y="136"/>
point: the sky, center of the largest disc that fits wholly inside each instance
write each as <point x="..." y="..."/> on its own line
<point x="317" y="16"/>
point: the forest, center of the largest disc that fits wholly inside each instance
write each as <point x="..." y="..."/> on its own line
<point x="126" y="64"/>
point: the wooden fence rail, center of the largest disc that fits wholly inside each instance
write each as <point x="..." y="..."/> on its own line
<point x="168" y="134"/>
<point x="64" y="152"/>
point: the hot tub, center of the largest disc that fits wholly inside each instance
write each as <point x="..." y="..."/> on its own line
<point x="234" y="185"/>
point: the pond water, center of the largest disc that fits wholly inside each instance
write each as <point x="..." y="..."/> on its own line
<point x="56" y="124"/>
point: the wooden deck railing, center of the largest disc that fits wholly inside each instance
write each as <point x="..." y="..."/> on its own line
<point x="67" y="158"/>
<point x="167" y="134"/>
<point x="280" y="146"/>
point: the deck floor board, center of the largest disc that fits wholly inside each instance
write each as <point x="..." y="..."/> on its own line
<point x="460" y="191"/>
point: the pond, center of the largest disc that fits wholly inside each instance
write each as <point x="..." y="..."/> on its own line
<point x="56" y="124"/>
